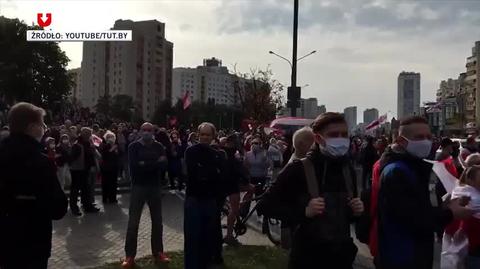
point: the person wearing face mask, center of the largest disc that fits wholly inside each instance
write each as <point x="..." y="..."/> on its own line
<point x="110" y="152"/>
<point x="50" y="151"/>
<point x="257" y="163"/>
<point x="147" y="159"/>
<point x="408" y="212"/>
<point x="318" y="196"/>
<point x="82" y="162"/>
<point x="64" y="150"/>
<point x="30" y="194"/>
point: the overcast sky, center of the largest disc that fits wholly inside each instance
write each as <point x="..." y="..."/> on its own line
<point x="362" y="45"/>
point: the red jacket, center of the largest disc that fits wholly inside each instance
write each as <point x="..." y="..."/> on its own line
<point x="373" y="241"/>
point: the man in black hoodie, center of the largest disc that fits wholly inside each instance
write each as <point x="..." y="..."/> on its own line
<point x="30" y="193"/>
<point x="321" y="205"/>
<point x="408" y="212"/>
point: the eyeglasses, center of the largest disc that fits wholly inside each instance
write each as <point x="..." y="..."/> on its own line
<point x="255" y="143"/>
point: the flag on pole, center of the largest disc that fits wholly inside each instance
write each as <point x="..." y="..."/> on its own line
<point x="377" y="123"/>
<point x="186" y="100"/>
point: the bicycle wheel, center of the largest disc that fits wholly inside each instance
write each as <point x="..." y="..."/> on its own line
<point x="272" y="228"/>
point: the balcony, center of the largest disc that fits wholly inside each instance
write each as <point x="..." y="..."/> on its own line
<point x="471" y="59"/>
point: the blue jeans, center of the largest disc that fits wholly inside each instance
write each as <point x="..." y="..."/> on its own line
<point x="473" y="262"/>
<point x="152" y="195"/>
<point x="200" y="232"/>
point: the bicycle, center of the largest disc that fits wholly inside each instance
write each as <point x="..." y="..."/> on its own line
<point x="270" y="227"/>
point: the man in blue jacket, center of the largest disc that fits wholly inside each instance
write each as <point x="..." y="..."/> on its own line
<point x="408" y="211"/>
<point x="147" y="159"/>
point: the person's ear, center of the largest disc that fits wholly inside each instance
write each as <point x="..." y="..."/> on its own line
<point x="402" y="141"/>
<point x="319" y="139"/>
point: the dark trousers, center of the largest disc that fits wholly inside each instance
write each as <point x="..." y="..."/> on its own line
<point x="307" y="254"/>
<point x="152" y="195"/>
<point x="79" y="184"/>
<point x="200" y="223"/>
<point x="109" y="185"/>
<point x="26" y="263"/>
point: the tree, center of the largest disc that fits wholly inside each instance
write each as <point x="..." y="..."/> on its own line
<point x="163" y="110"/>
<point x="123" y="108"/>
<point x="257" y="95"/>
<point x="104" y="105"/>
<point x="31" y="71"/>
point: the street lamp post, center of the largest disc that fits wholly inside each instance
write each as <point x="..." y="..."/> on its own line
<point x="294" y="92"/>
<point x="294" y="96"/>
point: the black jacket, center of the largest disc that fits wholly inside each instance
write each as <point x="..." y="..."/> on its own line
<point x="30" y="198"/>
<point x="205" y="168"/>
<point x="110" y="159"/>
<point x="287" y="199"/>
<point x="407" y="220"/>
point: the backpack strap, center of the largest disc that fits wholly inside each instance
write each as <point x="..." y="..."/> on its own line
<point x="349" y="182"/>
<point x="311" y="178"/>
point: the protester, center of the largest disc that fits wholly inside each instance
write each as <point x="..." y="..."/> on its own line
<point x="275" y="156"/>
<point x="238" y="182"/>
<point x="407" y="218"/>
<point x="30" y="194"/>
<point x="82" y="163"/>
<point x="109" y="168"/>
<point x="147" y="159"/>
<point x="320" y="203"/>
<point x="470" y="187"/>
<point x="470" y="147"/>
<point x="368" y="157"/>
<point x="204" y="190"/>
<point x="175" y="162"/>
<point x="257" y="163"/>
<point x="64" y="151"/>
<point x="303" y="140"/>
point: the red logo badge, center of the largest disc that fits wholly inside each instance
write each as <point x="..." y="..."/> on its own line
<point x="43" y="23"/>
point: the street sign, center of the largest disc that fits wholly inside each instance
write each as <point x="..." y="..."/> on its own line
<point x="293" y="93"/>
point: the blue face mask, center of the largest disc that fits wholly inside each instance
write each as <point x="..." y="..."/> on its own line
<point x="420" y="149"/>
<point x="336" y="147"/>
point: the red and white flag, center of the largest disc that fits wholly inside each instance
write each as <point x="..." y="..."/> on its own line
<point x="186" y="100"/>
<point x="377" y="123"/>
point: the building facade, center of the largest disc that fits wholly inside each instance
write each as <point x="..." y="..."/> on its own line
<point x="210" y="82"/>
<point x="351" y="117"/>
<point x="408" y="98"/>
<point x="75" y="91"/>
<point x="370" y="115"/>
<point x="141" y="68"/>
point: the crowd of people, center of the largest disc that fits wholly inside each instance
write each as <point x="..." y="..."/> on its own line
<point x="398" y="203"/>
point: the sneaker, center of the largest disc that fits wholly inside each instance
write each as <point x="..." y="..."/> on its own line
<point x="162" y="258"/>
<point x="231" y="241"/>
<point x="129" y="262"/>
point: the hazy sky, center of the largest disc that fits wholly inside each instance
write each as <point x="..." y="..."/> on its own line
<point x="361" y="45"/>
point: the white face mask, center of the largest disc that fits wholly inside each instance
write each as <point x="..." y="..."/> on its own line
<point x="420" y="149"/>
<point x="336" y="147"/>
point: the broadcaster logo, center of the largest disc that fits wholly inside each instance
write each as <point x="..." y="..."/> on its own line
<point x="50" y="35"/>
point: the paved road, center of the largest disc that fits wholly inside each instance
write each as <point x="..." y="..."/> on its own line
<point x="96" y="239"/>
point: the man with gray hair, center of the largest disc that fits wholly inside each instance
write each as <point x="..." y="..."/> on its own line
<point x="147" y="159"/>
<point x="202" y="226"/>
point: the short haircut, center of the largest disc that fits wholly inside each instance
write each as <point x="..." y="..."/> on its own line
<point x="469" y="174"/>
<point x="22" y="115"/>
<point x="325" y="119"/>
<point x="86" y="129"/>
<point x="209" y="125"/>
<point x="472" y="160"/>
<point x="412" y="120"/>
<point x="301" y="135"/>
